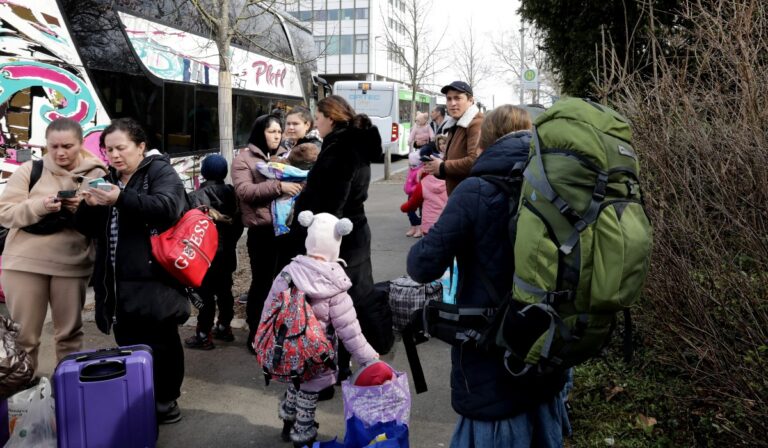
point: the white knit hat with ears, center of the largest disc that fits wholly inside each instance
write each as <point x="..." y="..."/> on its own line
<point x="324" y="232"/>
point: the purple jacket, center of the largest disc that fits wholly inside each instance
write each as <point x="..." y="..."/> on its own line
<point x="325" y="286"/>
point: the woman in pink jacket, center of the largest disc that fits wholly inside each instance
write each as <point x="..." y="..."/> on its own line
<point x="321" y="276"/>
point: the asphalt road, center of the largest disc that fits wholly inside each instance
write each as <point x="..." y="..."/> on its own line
<point x="224" y="400"/>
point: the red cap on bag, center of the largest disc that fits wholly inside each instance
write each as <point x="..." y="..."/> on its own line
<point x="375" y="374"/>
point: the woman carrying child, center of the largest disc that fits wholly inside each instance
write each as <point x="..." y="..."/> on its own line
<point x="255" y="194"/>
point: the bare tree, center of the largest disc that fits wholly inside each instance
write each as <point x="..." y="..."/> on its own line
<point x="409" y="41"/>
<point x="229" y="20"/>
<point x="507" y="50"/>
<point x="470" y="62"/>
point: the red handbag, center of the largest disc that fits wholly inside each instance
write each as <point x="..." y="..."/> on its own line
<point x="187" y="248"/>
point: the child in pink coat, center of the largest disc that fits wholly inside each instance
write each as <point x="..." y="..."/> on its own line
<point x="321" y="276"/>
<point x="430" y="193"/>
<point x="411" y="183"/>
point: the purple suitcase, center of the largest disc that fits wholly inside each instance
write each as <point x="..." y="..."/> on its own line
<point x="4" y="429"/>
<point x="106" y="398"/>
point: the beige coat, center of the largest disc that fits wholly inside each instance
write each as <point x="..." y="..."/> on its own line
<point x="463" y="148"/>
<point x="66" y="253"/>
<point x="255" y="192"/>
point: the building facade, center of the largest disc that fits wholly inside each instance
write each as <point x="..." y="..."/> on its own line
<point x="351" y="37"/>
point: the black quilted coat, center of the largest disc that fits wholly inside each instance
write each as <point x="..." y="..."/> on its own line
<point x="154" y="199"/>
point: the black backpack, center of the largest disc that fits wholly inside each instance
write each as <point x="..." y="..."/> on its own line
<point x="34" y="176"/>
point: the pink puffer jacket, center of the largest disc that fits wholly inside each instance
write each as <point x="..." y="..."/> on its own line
<point x="411" y="180"/>
<point x="435" y="196"/>
<point x="325" y="286"/>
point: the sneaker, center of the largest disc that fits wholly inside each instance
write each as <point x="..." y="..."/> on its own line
<point x="171" y="415"/>
<point x="199" y="342"/>
<point x="223" y="333"/>
<point x="243" y="298"/>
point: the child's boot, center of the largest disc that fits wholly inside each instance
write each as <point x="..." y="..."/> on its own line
<point x="304" y="431"/>
<point x="286" y="410"/>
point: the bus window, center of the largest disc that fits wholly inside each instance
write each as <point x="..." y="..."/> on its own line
<point x="374" y="103"/>
<point x="179" y="124"/>
<point x="206" y="115"/>
<point x="247" y="108"/>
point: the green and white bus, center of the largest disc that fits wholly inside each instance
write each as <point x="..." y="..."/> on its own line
<point x="388" y="104"/>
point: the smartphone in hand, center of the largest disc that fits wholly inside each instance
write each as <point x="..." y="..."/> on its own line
<point x="66" y="194"/>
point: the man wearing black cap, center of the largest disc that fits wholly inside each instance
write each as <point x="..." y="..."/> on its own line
<point x="463" y="128"/>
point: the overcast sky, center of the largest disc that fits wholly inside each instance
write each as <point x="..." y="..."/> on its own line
<point x="490" y="18"/>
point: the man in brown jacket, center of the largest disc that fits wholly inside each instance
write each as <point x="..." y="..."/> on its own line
<point x="463" y="136"/>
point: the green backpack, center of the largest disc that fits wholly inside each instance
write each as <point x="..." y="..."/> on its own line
<point x="582" y="240"/>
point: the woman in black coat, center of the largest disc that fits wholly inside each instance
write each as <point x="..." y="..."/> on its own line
<point x="134" y="294"/>
<point x="338" y="184"/>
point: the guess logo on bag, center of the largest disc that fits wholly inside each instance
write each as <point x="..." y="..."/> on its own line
<point x="185" y="250"/>
<point x="196" y="239"/>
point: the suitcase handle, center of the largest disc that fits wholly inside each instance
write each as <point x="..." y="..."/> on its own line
<point x="102" y="371"/>
<point x="103" y="353"/>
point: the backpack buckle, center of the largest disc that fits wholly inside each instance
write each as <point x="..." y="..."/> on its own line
<point x="600" y="186"/>
<point x="557" y="297"/>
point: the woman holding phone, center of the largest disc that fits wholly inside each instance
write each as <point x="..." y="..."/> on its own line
<point x="135" y="296"/>
<point x="45" y="260"/>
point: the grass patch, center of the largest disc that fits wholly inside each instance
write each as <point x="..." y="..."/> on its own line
<point x="638" y="404"/>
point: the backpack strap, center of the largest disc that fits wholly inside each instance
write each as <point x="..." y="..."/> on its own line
<point x="417" y="372"/>
<point x="35" y="173"/>
<point x="540" y="182"/>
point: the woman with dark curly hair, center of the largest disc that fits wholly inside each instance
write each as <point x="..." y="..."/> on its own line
<point x="134" y="295"/>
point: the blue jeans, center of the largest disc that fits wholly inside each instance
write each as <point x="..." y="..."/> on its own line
<point x="414" y="218"/>
<point x="540" y="427"/>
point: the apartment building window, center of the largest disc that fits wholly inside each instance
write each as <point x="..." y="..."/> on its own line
<point x="333" y="45"/>
<point x="321" y="14"/>
<point x="320" y="45"/>
<point x="347" y="13"/>
<point x="346" y="44"/>
<point x="361" y="44"/>
<point x="361" y="13"/>
<point x="333" y="14"/>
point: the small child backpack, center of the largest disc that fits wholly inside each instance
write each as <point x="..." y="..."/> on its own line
<point x="290" y="343"/>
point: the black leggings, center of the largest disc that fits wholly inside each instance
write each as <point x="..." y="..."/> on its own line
<point x="264" y="250"/>
<point x="167" y="353"/>
<point x="216" y="288"/>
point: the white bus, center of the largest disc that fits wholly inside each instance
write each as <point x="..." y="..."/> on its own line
<point x="388" y="104"/>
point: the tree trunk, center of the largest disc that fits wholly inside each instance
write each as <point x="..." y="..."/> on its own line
<point x="225" y="117"/>
<point x="225" y="88"/>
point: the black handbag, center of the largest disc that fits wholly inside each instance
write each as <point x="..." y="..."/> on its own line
<point x="52" y="223"/>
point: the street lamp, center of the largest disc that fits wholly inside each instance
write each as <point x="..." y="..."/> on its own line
<point x="375" y="54"/>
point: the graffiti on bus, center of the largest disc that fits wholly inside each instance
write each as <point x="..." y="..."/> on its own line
<point x="41" y="77"/>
